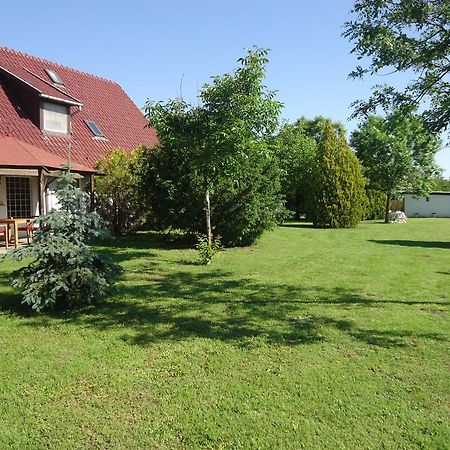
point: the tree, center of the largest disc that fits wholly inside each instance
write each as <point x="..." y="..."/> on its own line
<point x="397" y="154"/>
<point x="235" y="115"/>
<point x="296" y="152"/>
<point x="244" y="204"/>
<point x="315" y="128"/>
<point x="337" y="184"/>
<point x="439" y="183"/>
<point x="404" y="36"/>
<point x="119" y="200"/>
<point x="64" y="272"/>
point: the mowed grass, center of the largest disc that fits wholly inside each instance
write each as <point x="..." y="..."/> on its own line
<point x="317" y="339"/>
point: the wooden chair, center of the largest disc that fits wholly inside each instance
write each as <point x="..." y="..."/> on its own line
<point x="29" y="228"/>
<point x="4" y="231"/>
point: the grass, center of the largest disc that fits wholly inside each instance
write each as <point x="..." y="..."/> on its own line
<point x="317" y="339"/>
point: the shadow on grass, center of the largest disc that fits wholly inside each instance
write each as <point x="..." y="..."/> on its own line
<point x="149" y="240"/>
<point x="156" y="307"/>
<point x="406" y="243"/>
<point x="297" y="225"/>
<point x="153" y="305"/>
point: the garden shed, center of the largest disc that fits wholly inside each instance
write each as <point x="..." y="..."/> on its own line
<point x="436" y="204"/>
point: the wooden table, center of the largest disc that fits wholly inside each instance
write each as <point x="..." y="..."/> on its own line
<point x="14" y="223"/>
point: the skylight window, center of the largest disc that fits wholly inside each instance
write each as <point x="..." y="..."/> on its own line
<point x="94" y="128"/>
<point x="54" y="76"/>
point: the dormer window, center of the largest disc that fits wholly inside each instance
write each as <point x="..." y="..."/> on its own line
<point x="94" y="128"/>
<point x="54" y="76"/>
<point x="55" y="118"/>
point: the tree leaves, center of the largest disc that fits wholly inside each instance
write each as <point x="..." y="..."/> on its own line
<point x="399" y="36"/>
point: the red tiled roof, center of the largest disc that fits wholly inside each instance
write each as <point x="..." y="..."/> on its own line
<point x="104" y="102"/>
<point x="36" y="82"/>
<point x="15" y="153"/>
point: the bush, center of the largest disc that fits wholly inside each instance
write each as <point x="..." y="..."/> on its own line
<point x="118" y="199"/>
<point x="243" y="204"/>
<point x="65" y="271"/>
<point x="375" y="204"/>
<point x="337" y="185"/>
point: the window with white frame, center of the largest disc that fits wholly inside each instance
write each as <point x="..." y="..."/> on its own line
<point x="18" y="197"/>
<point x="55" y="118"/>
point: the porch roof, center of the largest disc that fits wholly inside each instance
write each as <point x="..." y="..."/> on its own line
<point x="15" y="153"/>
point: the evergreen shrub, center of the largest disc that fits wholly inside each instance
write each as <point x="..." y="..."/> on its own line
<point x="65" y="272"/>
<point x="337" y="184"/>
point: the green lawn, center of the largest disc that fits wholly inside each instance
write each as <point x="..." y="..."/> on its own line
<point x="317" y="339"/>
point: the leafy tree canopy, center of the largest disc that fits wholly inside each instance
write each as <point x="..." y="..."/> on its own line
<point x="235" y="114"/>
<point x="399" y="36"/>
<point x="397" y="153"/>
<point x="315" y="128"/>
<point x="296" y="152"/>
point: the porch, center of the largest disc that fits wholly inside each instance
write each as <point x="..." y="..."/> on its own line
<point x="28" y="180"/>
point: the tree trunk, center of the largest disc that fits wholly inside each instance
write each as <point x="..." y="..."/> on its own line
<point x="208" y="215"/>
<point x="297" y="205"/>
<point x="388" y="203"/>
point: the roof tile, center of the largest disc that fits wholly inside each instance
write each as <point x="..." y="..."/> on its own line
<point x="104" y="102"/>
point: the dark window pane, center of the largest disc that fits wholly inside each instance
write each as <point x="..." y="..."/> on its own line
<point x="94" y="128"/>
<point x="18" y="197"/>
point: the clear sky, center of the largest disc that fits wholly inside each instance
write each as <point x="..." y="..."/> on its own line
<point x="149" y="46"/>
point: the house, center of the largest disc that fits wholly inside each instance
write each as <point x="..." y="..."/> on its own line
<point x="437" y="204"/>
<point x="49" y="115"/>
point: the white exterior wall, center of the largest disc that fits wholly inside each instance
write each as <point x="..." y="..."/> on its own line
<point x="436" y="205"/>
<point x="3" y="211"/>
<point x="51" y="201"/>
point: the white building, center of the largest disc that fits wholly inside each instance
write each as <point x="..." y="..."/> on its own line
<point x="437" y="204"/>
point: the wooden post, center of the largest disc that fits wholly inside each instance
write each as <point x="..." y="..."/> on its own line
<point x="41" y="193"/>
<point x="92" y="190"/>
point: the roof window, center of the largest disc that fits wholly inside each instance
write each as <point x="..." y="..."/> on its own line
<point x="94" y="128"/>
<point x="54" y="76"/>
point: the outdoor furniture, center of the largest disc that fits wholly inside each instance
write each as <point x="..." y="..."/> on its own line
<point x="14" y="224"/>
<point x="4" y="231"/>
<point x="29" y="228"/>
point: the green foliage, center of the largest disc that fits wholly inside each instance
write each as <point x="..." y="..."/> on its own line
<point x="206" y="250"/>
<point x="337" y="184"/>
<point x="295" y="152"/>
<point x="375" y="204"/>
<point x="439" y="183"/>
<point x="212" y="143"/>
<point x="171" y="190"/>
<point x="399" y="36"/>
<point x="65" y="272"/>
<point x="397" y="153"/>
<point x="244" y="204"/>
<point x="119" y="199"/>
<point x="315" y="128"/>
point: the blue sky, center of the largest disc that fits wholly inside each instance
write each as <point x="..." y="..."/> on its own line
<point x="148" y="47"/>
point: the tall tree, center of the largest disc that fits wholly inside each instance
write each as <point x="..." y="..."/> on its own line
<point x="399" y="36"/>
<point x="296" y="151"/>
<point x="235" y="115"/>
<point x="397" y="153"/>
<point x="337" y="183"/>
